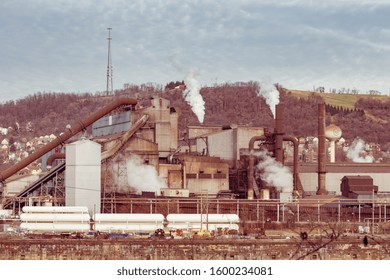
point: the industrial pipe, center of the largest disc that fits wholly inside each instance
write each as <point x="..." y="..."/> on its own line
<point x="278" y="132"/>
<point x="76" y="128"/>
<point x="53" y="157"/>
<point x="295" y="156"/>
<point x="252" y="163"/>
<point x="321" y="150"/>
<point x="277" y="138"/>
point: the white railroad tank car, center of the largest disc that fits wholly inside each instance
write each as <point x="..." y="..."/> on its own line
<point x="117" y="227"/>
<point x="128" y="222"/>
<point x="198" y="226"/>
<point x="129" y="218"/>
<point x="54" y="217"/>
<point x="55" y="209"/>
<point x="52" y="227"/>
<point x="199" y="221"/>
<point x="197" y="218"/>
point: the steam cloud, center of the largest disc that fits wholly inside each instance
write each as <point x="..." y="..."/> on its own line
<point x="274" y="173"/>
<point x="356" y="152"/>
<point x="270" y="94"/>
<point x="193" y="97"/>
<point x="143" y="177"/>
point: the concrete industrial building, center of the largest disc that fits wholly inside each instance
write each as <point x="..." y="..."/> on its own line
<point x="230" y="143"/>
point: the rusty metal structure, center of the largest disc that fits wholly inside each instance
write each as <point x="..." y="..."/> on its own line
<point x="60" y="140"/>
<point x="53" y="157"/>
<point x="273" y="142"/>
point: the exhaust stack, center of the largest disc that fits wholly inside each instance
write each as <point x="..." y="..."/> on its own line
<point x="278" y="132"/>
<point x="274" y="140"/>
<point x="321" y="151"/>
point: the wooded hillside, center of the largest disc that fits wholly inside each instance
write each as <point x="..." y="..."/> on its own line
<point x="237" y="103"/>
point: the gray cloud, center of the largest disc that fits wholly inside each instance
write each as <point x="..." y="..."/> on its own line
<point x="61" y="45"/>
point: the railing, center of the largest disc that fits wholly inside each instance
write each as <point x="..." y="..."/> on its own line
<point x="263" y="210"/>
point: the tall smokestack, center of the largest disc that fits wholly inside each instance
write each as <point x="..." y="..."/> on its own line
<point x="279" y="132"/>
<point x="321" y="150"/>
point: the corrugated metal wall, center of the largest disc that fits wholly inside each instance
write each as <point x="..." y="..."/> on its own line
<point x="112" y="124"/>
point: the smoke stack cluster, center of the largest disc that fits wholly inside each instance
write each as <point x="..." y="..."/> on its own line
<point x="272" y="170"/>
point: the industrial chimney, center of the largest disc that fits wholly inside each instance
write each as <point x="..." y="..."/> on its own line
<point x="278" y="132"/>
<point x="321" y="150"/>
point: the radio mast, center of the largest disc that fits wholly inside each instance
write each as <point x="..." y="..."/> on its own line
<point x="109" y="88"/>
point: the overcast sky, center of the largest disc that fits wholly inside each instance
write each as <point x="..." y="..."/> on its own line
<point x="61" y="45"/>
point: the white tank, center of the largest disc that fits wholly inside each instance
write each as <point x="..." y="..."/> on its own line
<point x="54" y="217"/>
<point x="198" y="226"/>
<point x="333" y="132"/>
<point x="109" y="227"/>
<point x="50" y="227"/>
<point x="55" y="209"/>
<point x="212" y="218"/>
<point x="129" y="218"/>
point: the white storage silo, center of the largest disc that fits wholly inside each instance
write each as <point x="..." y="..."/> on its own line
<point x="333" y="133"/>
<point x="82" y="176"/>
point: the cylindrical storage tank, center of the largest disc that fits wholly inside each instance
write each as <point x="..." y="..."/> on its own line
<point x="109" y="227"/>
<point x="55" y="209"/>
<point x="210" y="218"/>
<point x="129" y="218"/>
<point x="333" y="132"/>
<point x="82" y="176"/>
<point x="51" y="227"/>
<point x="197" y="226"/>
<point x="54" y="217"/>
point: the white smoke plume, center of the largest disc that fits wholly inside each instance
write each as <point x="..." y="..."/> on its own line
<point x="143" y="177"/>
<point x="193" y="97"/>
<point x="270" y="94"/>
<point x="274" y="173"/>
<point x="356" y="152"/>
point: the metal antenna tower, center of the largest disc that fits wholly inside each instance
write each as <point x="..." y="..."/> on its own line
<point x="109" y="88"/>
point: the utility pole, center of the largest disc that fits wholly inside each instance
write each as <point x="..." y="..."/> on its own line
<point x="109" y="88"/>
<point x="204" y="210"/>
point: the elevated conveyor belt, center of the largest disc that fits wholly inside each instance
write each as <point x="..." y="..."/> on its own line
<point x="37" y="184"/>
<point x="61" y="167"/>
<point x="75" y="128"/>
<point x="124" y="138"/>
